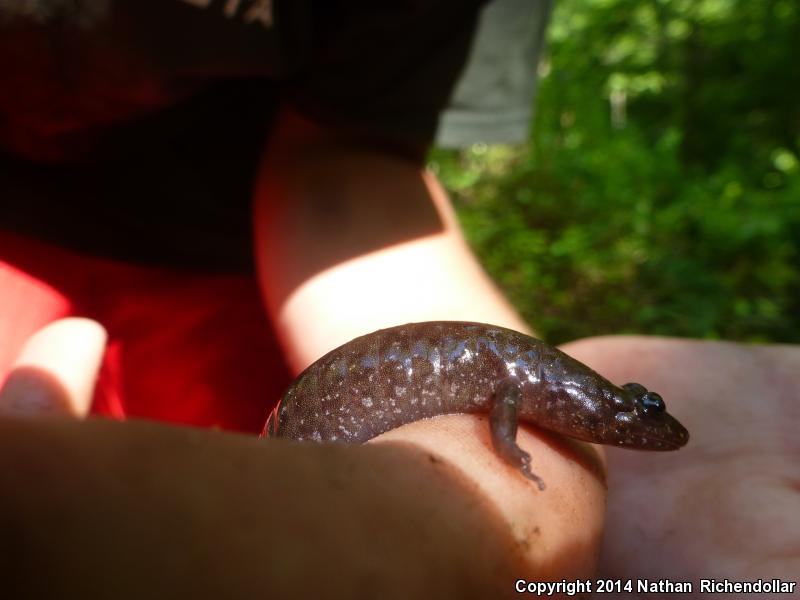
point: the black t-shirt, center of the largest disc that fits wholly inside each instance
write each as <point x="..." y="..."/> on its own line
<point x="133" y="129"/>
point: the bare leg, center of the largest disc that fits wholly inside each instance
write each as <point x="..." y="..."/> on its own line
<point x="503" y="423"/>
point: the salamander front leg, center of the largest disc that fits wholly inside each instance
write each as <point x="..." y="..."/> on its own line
<point x="503" y="424"/>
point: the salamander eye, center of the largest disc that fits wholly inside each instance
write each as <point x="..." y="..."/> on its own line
<point x="637" y="389"/>
<point x="653" y="404"/>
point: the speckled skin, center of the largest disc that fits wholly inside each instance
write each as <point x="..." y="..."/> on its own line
<point x="394" y="376"/>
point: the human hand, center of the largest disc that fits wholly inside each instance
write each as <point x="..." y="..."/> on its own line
<point x="554" y="534"/>
<point x="55" y="371"/>
<point x="727" y="505"/>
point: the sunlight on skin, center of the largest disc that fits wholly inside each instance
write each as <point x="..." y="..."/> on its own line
<point x="350" y="239"/>
<point x="56" y="370"/>
<point x="417" y="291"/>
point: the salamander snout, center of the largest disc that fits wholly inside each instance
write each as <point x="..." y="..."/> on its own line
<point x="648" y="425"/>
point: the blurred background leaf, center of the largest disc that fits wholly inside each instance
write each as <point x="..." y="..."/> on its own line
<point x="659" y="191"/>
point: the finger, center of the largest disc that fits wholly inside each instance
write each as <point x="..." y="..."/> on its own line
<point x="56" y="370"/>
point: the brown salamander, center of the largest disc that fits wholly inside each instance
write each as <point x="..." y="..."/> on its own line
<point x="394" y="376"/>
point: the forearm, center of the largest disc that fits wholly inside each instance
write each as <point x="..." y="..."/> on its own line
<point x="351" y="238"/>
<point x="130" y="510"/>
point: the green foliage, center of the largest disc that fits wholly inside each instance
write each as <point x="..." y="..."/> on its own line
<point x="660" y="189"/>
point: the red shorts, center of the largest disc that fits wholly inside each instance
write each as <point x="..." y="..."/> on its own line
<point x="184" y="347"/>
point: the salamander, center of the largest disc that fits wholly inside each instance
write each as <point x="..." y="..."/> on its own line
<point x="394" y="376"/>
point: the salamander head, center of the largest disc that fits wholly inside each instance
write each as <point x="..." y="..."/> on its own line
<point x="642" y="421"/>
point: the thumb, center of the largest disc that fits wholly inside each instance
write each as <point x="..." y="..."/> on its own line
<point x="56" y="370"/>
